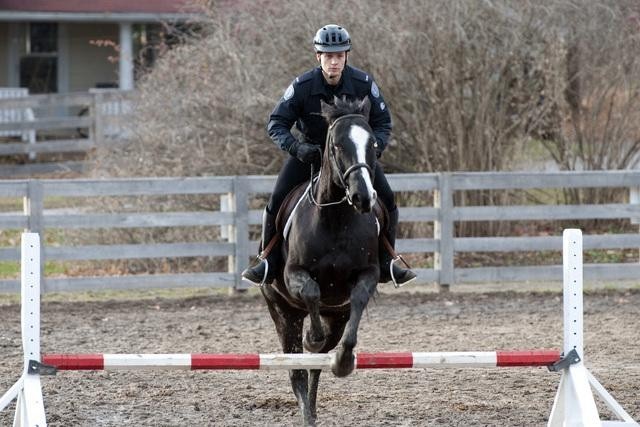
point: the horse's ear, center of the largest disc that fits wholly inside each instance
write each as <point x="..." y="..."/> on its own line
<point x="365" y="107"/>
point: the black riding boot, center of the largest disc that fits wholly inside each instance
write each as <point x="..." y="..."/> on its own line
<point x="402" y="276"/>
<point x="265" y="270"/>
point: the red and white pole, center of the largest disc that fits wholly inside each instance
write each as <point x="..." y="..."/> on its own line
<point x="300" y="361"/>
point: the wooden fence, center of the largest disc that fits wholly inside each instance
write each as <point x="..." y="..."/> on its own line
<point x="436" y="208"/>
<point x="61" y="124"/>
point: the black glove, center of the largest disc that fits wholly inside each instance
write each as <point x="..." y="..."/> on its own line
<point x="305" y="152"/>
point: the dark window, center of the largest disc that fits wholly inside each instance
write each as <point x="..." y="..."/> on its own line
<point x="39" y="66"/>
<point x="39" y="74"/>
<point x="43" y="38"/>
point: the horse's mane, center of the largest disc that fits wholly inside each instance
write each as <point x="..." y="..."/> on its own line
<point x="342" y="106"/>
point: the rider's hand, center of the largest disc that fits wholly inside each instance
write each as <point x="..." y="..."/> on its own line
<point x="305" y="152"/>
<point x="378" y="149"/>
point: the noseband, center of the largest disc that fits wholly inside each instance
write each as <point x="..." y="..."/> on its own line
<point x="343" y="176"/>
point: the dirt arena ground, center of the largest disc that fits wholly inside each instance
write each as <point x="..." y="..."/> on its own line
<point x="396" y="321"/>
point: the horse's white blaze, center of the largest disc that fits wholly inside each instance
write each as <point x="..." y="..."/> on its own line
<point x="360" y="138"/>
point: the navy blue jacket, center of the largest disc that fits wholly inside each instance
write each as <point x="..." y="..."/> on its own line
<point x="300" y="105"/>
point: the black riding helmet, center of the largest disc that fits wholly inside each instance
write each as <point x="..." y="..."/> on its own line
<point x="332" y="38"/>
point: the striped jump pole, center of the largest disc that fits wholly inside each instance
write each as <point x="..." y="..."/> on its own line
<point x="574" y="404"/>
<point x="479" y="359"/>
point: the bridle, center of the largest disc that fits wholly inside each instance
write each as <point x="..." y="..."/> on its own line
<point x="343" y="176"/>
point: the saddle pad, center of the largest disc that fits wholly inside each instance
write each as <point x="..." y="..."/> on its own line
<point x="287" y="225"/>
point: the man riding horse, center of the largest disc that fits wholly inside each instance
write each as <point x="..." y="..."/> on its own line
<point x="300" y="105"/>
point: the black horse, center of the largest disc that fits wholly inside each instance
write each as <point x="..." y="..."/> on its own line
<point x="330" y="265"/>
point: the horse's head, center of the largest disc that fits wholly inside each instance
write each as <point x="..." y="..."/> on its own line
<point x="349" y="155"/>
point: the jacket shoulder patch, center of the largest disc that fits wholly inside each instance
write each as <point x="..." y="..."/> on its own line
<point x="375" y="92"/>
<point x="288" y="94"/>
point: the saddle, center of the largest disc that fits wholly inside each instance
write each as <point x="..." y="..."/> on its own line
<point x="288" y="205"/>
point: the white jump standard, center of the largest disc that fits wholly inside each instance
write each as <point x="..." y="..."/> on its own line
<point x="574" y="403"/>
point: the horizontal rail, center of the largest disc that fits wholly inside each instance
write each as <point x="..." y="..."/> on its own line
<point x="417" y="245"/>
<point x="527" y="180"/>
<point x="129" y="282"/>
<point x="137" y="186"/>
<point x="517" y="358"/>
<point x="399" y="182"/>
<point x="48" y="123"/>
<point x="545" y="212"/>
<point x="139" y="220"/>
<point x="53" y="146"/>
<point x="540" y="243"/>
<point x="61" y="99"/>
<point x="593" y="272"/>
<point x="29" y="169"/>
<point x="139" y="251"/>
<point x="11" y="220"/>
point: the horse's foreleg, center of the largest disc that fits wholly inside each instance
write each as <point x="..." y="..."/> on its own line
<point x="343" y="362"/>
<point x="312" y="395"/>
<point x="289" y="328"/>
<point x="302" y="285"/>
<point x="334" y="327"/>
<point x="291" y="343"/>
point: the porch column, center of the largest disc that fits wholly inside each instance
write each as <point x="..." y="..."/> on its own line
<point x="13" y="53"/>
<point x="126" y="56"/>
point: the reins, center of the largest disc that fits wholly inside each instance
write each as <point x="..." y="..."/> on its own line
<point x="343" y="176"/>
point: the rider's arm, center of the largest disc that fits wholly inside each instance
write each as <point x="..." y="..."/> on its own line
<point x="379" y="117"/>
<point x="282" y="119"/>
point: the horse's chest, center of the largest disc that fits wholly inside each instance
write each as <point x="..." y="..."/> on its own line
<point x="342" y="251"/>
<point x="345" y="252"/>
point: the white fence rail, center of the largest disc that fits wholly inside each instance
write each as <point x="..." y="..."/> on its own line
<point x="235" y="218"/>
<point x="58" y="124"/>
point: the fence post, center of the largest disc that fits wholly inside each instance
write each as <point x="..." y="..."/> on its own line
<point x="443" y="261"/>
<point x="240" y="200"/>
<point x="227" y="232"/>
<point x="96" y="131"/>
<point x="33" y="205"/>
<point x="634" y="199"/>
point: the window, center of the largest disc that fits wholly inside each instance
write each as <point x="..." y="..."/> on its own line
<point x="39" y="65"/>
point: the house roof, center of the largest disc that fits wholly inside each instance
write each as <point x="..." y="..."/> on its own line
<point x="97" y="10"/>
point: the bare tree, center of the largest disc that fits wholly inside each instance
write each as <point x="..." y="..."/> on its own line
<point x="599" y="106"/>
<point x="470" y="84"/>
<point x="466" y="83"/>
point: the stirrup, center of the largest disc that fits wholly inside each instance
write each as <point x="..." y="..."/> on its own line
<point x="264" y="277"/>
<point x="393" y="277"/>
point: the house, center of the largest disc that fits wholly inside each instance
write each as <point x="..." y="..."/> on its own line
<point x="61" y="46"/>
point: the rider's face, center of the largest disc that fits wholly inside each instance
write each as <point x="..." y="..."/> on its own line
<point x="332" y="64"/>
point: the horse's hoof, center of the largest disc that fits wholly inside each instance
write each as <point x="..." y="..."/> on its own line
<point x="312" y="346"/>
<point x="343" y="366"/>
